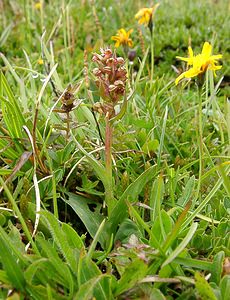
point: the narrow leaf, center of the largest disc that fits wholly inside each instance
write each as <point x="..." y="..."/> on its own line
<point x="182" y="245"/>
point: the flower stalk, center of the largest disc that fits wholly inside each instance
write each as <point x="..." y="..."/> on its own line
<point x="145" y="17"/>
<point x="109" y="198"/>
<point x="200" y="139"/>
<point x="199" y="65"/>
<point x="111" y="81"/>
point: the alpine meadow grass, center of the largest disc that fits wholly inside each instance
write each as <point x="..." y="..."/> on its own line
<point x="114" y="150"/>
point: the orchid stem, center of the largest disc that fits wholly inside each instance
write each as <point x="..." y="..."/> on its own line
<point x="109" y="199"/>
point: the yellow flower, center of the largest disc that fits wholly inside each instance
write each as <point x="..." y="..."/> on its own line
<point x="200" y="63"/>
<point x="38" y="5"/>
<point x="122" y="38"/>
<point x="144" y="15"/>
<point x="40" y="61"/>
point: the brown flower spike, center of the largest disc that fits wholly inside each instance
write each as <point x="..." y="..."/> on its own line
<point x="110" y="78"/>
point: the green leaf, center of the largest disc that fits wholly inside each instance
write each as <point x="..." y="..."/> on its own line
<point x="91" y="219"/>
<point x="30" y="272"/>
<point x="204" y="202"/>
<point x="60" y="239"/>
<point x="161" y="146"/>
<point x="39" y="292"/>
<point x="8" y="151"/>
<point x="73" y="238"/>
<point x="141" y="68"/>
<point x="167" y="224"/>
<point x="142" y="224"/>
<point x="225" y="287"/>
<point x="125" y="230"/>
<point x="15" y="250"/>
<point x="88" y="270"/>
<point x="12" y="113"/>
<point x="156" y="295"/>
<point x="150" y="146"/>
<point x="119" y="213"/>
<point x="11" y="266"/>
<point x="97" y="166"/>
<point x="217" y="267"/>
<point x="4" y="278"/>
<point x="182" y="201"/>
<point x="65" y="277"/>
<point x="203" y="288"/>
<point x="182" y="245"/>
<point x="133" y="273"/>
<point x="87" y="290"/>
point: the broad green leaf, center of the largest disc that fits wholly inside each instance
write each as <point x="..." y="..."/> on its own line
<point x="60" y="239"/>
<point x="91" y="219"/>
<point x="194" y="263"/>
<point x="89" y="270"/>
<point x="65" y="277"/>
<point x="203" y="288"/>
<point x="217" y="267"/>
<point x="87" y="290"/>
<point x="39" y="292"/>
<point x="225" y="287"/>
<point x="156" y="295"/>
<point x="119" y="213"/>
<point x="9" y="171"/>
<point x="156" y="230"/>
<point x="97" y="166"/>
<point x="30" y="272"/>
<point x="11" y="266"/>
<point x="12" y="113"/>
<point x="171" y="237"/>
<point x="133" y="273"/>
<point x="125" y="230"/>
<point x="73" y="238"/>
<point x="95" y="240"/>
<point x="15" y="250"/>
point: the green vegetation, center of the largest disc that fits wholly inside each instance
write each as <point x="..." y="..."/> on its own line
<point x="119" y="198"/>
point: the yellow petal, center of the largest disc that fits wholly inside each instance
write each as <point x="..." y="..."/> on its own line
<point x="183" y="58"/>
<point x="140" y="13"/>
<point x="122" y="31"/>
<point x="38" y="5"/>
<point x="190" y="51"/>
<point x="179" y="78"/>
<point x="218" y="56"/>
<point x="130" y="43"/>
<point x="207" y="49"/>
<point x="115" y="38"/>
<point x="214" y="67"/>
<point x="188" y="74"/>
<point x="117" y="44"/>
<point x="192" y="73"/>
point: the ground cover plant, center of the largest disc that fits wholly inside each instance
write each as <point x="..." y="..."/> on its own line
<point x="114" y="149"/>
